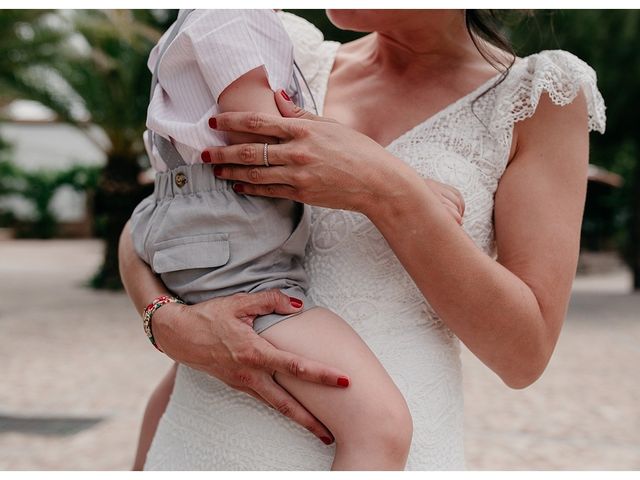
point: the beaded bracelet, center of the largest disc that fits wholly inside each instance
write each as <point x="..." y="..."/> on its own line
<point x="150" y="310"/>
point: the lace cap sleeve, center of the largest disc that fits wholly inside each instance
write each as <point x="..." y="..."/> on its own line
<point x="307" y="42"/>
<point x="558" y="73"/>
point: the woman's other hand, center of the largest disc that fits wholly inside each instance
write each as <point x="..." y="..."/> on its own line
<point x="450" y="197"/>
<point x="217" y="337"/>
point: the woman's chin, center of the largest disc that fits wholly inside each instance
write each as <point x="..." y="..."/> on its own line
<point x="354" y="20"/>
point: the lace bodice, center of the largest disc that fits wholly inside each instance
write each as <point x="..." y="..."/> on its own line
<point x="354" y="272"/>
<point x="466" y="145"/>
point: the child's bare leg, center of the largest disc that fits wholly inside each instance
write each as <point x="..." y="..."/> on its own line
<point x="156" y="406"/>
<point x="370" y="420"/>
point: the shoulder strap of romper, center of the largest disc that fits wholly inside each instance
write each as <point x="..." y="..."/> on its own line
<point x="168" y="152"/>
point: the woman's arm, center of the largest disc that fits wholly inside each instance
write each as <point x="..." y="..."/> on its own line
<point x="508" y="312"/>
<point x="217" y="337"/>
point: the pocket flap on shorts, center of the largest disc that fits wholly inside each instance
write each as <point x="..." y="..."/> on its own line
<point x="202" y="251"/>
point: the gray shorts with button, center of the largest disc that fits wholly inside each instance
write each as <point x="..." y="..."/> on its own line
<point x="206" y="241"/>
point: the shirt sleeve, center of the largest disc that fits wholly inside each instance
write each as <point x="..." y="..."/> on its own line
<point x="229" y="43"/>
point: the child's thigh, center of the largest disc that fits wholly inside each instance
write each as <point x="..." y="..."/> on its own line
<point x="372" y="397"/>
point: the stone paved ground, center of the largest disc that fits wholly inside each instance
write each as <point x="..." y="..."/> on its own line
<point x="75" y="372"/>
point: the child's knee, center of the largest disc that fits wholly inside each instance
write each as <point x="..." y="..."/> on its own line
<point x="385" y="430"/>
<point x="395" y="430"/>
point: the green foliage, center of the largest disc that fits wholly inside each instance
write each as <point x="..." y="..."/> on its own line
<point x="28" y="38"/>
<point x="7" y="218"/>
<point x="97" y="76"/>
<point x="103" y="72"/>
<point x="39" y="187"/>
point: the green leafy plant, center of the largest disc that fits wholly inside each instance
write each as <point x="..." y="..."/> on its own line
<point x="99" y="77"/>
<point x="38" y="188"/>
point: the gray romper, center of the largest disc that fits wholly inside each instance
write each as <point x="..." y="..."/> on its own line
<point x="206" y="241"/>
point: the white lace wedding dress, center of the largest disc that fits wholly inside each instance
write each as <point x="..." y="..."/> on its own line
<point x="353" y="271"/>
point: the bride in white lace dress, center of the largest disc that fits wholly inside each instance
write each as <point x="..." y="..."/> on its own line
<point x="507" y="308"/>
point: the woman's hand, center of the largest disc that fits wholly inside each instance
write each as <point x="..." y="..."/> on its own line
<point x="318" y="161"/>
<point x="450" y="197"/>
<point x="217" y="337"/>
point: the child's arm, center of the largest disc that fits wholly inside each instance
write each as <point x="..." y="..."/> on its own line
<point x="249" y="93"/>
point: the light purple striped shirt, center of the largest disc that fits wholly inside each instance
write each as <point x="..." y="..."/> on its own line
<point x="212" y="49"/>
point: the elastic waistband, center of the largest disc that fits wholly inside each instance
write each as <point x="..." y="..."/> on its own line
<point x="187" y="180"/>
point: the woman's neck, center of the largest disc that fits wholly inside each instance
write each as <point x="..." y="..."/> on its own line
<point x="443" y="43"/>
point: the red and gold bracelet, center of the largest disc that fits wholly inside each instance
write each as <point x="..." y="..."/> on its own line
<point x="148" y="312"/>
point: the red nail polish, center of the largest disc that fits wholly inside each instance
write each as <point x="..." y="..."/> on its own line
<point x="206" y="157"/>
<point x="343" y="381"/>
<point x="238" y="188"/>
<point x="295" y="302"/>
<point x="213" y="123"/>
<point x="217" y="171"/>
<point x="285" y="96"/>
<point x="326" y="440"/>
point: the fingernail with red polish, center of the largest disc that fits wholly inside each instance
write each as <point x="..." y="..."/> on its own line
<point x="285" y="96"/>
<point x="213" y="123"/>
<point x="343" y="381"/>
<point x="238" y="188"/>
<point x="206" y="157"/>
<point x="295" y="302"/>
<point x="217" y="171"/>
<point x="326" y="440"/>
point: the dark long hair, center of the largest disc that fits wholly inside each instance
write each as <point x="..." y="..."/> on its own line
<point x="484" y="26"/>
